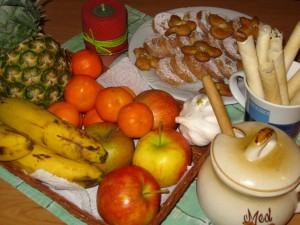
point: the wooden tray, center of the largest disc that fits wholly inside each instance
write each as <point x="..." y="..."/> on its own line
<point x="199" y="155"/>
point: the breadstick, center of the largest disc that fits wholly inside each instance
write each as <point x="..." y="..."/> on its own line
<point x="250" y="63"/>
<point x="270" y="83"/>
<point x="275" y="55"/>
<point x="294" y="84"/>
<point x="263" y="42"/>
<point x="217" y="105"/>
<point x="292" y="46"/>
<point x="296" y="99"/>
<point x="276" y="40"/>
<point x="278" y="61"/>
<point x="276" y="43"/>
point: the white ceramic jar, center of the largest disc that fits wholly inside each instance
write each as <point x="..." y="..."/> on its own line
<point x="251" y="179"/>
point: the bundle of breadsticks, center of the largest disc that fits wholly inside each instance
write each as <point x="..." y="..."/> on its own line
<point x="266" y="63"/>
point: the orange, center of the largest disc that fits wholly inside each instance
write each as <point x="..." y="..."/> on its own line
<point x="110" y="100"/>
<point x="86" y="62"/>
<point x="135" y="119"/>
<point x="66" y="112"/>
<point x="133" y="94"/>
<point x="81" y="91"/>
<point x="91" y="117"/>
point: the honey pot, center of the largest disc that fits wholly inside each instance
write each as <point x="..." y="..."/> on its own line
<point x="252" y="178"/>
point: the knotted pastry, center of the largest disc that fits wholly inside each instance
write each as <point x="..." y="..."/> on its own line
<point x="180" y="27"/>
<point x="220" y="28"/>
<point x="249" y="27"/>
<point x="144" y="61"/>
<point x="222" y="34"/>
<point x="202" y="51"/>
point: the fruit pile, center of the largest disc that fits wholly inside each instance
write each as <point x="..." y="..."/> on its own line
<point x="148" y="117"/>
<point x="123" y="141"/>
<point x="55" y="116"/>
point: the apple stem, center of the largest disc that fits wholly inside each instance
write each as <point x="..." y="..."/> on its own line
<point x="161" y="191"/>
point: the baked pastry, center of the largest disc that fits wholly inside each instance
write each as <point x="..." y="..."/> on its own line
<point x="249" y="27"/>
<point x="155" y="45"/>
<point x="195" y="66"/>
<point x="144" y="61"/>
<point x="230" y="48"/>
<point x="166" y="73"/>
<point x="181" y="69"/>
<point x="226" y="43"/>
<point x="161" y="46"/>
<point x="213" y="70"/>
<point x="180" y="26"/>
<point x="220" y="28"/>
<point x="202" y="21"/>
<point x="187" y="45"/>
<point x="226" y="66"/>
<point x="222" y="88"/>
<point x="161" y="22"/>
<point x="202" y="51"/>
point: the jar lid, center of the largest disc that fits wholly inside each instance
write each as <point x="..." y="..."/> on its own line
<point x="261" y="160"/>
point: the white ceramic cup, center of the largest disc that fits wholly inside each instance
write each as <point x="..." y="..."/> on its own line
<point x="286" y="118"/>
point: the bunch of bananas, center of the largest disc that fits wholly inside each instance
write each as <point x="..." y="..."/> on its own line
<point x="32" y="138"/>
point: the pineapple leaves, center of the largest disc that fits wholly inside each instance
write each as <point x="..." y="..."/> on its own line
<point x="19" y="19"/>
<point x="32" y="64"/>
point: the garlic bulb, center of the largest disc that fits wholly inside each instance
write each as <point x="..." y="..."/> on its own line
<point x="197" y="121"/>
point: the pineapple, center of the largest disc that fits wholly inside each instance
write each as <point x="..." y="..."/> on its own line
<point x="32" y="64"/>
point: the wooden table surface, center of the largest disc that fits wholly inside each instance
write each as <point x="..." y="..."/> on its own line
<point x="63" y="21"/>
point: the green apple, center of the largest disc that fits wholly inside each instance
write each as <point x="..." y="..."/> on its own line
<point x="165" y="153"/>
<point x="120" y="147"/>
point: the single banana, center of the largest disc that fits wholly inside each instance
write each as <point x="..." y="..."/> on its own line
<point x="50" y="131"/>
<point x="81" y="173"/>
<point x="13" y="145"/>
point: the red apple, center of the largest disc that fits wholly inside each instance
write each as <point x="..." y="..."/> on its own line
<point x="165" y="153"/>
<point x="120" y="147"/>
<point x="164" y="106"/>
<point x="128" y="196"/>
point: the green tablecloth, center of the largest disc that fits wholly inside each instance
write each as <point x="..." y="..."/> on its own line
<point x="187" y="210"/>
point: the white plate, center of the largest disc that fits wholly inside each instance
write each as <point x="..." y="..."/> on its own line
<point x="182" y="92"/>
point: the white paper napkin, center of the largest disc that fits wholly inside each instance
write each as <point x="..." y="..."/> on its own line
<point x="85" y="199"/>
<point x="124" y="73"/>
